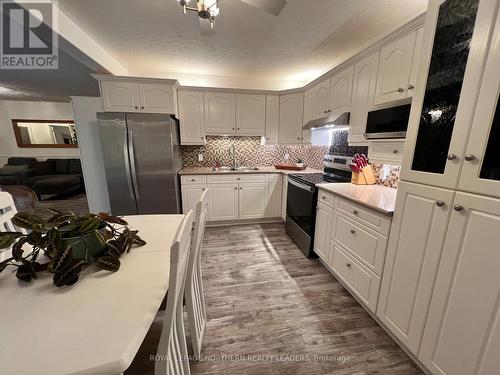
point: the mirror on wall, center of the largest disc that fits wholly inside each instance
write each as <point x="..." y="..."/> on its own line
<point x="45" y="133"/>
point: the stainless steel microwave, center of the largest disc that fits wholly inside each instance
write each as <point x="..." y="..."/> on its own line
<point x="389" y="122"/>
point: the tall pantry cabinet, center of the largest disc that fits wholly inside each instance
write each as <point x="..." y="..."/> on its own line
<point x="440" y="295"/>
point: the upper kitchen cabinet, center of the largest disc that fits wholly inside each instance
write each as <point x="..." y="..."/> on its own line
<point x="321" y="99"/>
<point x="157" y="98"/>
<point x="453" y="56"/>
<point x="363" y="92"/>
<point x="462" y="333"/>
<point x="341" y="91"/>
<point x="250" y="114"/>
<point x="291" y="118"/>
<point x="395" y="69"/>
<point x="129" y="94"/>
<point x="120" y="96"/>
<point x="416" y="62"/>
<point x="481" y="169"/>
<point x="272" y="118"/>
<point x="219" y="113"/>
<point x="191" y="117"/>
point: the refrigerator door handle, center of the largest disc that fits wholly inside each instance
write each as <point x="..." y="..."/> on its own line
<point x="132" y="163"/>
<point x="127" y="168"/>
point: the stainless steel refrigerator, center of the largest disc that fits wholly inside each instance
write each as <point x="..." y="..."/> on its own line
<point x="141" y="154"/>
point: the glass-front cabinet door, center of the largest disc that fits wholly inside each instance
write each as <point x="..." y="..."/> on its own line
<point x="456" y="35"/>
<point x="481" y="170"/>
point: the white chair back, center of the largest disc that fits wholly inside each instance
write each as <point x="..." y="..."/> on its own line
<point x="7" y="212"/>
<point x="172" y="349"/>
<point x="195" y="299"/>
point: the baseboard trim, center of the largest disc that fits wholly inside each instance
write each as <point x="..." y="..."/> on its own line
<point x="225" y="223"/>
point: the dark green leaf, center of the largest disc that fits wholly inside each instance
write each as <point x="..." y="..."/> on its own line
<point x="89" y="225"/>
<point x="8" y="238"/>
<point x="27" y="221"/>
<point x="69" y="274"/>
<point x="108" y="263"/>
<point x="55" y="211"/>
<point x="26" y="272"/>
<point x="111" y="219"/>
<point x="61" y="218"/>
<point x="138" y="240"/>
<point x="17" y="249"/>
<point x="35" y="238"/>
<point x="61" y="259"/>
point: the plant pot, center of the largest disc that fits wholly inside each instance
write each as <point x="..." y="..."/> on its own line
<point x="86" y="246"/>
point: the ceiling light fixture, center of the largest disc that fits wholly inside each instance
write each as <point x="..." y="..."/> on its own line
<point x="206" y="9"/>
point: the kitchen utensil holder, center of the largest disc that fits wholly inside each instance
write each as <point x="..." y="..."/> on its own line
<point x="364" y="177"/>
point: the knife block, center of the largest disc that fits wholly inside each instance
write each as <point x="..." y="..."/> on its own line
<point x="364" y="177"/>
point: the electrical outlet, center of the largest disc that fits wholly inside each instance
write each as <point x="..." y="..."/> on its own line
<point x="200" y="157"/>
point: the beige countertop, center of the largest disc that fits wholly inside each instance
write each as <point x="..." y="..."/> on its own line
<point x="377" y="197"/>
<point x="208" y="170"/>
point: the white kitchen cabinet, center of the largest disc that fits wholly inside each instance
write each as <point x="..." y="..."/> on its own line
<point x="223" y="201"/>
<point x="118" y="96"/>
<point x="253" y="199"/>
<point x="437" y="134"/>
<point x="308" y="105"/>
<point x="250" y="114"/>
<point x="390" y="152"/>
<point x="341" y="91"/>
<point x="481" y="168"/>
<point x="321" y="99"/>
<point x="364" y="84"/>
<point x="417" y="235"/>
<point x="191" y="117"/>
<point x="394" y="69"/>
<point x="272" y="118"/>
<point x="291" y="118"/>
<point x="157" y="98"/>
<point x="417" y="54"/>
<point x="275" y="191"/>
<point x="191" y="195"/>
<point x="219" y="113"/>
<point x="462" y="335"/>
<point x="322" y="232"/>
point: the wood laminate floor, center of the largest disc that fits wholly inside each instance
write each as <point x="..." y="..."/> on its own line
<point x="273" y="311"/>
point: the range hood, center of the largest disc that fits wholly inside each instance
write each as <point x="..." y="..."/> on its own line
<point x="331" y="119"/>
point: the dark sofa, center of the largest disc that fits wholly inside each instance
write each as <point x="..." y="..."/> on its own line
<point x="53" y="176"/>
<point x="16" y="171"/>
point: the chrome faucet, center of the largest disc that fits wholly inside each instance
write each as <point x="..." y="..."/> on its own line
<point x="232" y="153"/>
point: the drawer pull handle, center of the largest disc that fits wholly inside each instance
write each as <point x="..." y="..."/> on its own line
<point x="349" y="265"/>
<point x="355" y="212"/>
<point x="353" y="231"/>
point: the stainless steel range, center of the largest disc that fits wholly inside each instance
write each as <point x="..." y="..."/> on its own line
<point x="302" y="197"/>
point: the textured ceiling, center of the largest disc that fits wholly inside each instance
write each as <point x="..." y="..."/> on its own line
<point x="71" y="79"/>
<point x="251" y="48"/>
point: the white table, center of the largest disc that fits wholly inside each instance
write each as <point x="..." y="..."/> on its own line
<point x="95" y="326"/>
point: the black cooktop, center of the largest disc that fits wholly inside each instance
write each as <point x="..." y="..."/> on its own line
<point x="318" y="178"/>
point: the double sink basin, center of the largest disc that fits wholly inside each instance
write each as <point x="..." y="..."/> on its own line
<point x="234" y="169"/>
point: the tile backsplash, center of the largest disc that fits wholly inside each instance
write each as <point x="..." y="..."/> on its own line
<point x="250" y="152"/>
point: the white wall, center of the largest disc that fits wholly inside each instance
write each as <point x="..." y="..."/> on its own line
<point x="31" y="111"/>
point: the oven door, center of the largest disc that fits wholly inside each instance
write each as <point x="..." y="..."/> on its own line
<point x="301" y="205"/>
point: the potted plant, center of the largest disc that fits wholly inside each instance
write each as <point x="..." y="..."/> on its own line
<point x="70" y="243"/>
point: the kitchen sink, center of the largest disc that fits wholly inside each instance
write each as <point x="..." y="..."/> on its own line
<point x="232" y="169"/>
<point x="224" y="169"/>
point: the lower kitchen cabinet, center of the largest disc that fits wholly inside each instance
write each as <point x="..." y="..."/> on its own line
<point x="223" y="202"/>
<point x="462" y="334"/>
<point x="191" y="195"/>
<point x="253" y="198"/>
<point x="417" y="235"/>
<point x="322" y="231"/>
<point x="275" y="192"/>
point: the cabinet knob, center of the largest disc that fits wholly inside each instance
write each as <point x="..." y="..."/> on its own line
<point x="267" y="138"/>
<point x="325" y="111"/>
<point x="238" y="178"/>
<point x="241" y="188"/>
<point x="203" y="189"/>
<point x="235" y="188"/>
<point x="329" y="110"/>
<point x="232" y="128"/>
<point x="324" y="198"/>
<point x="440" y="204"/>
<point x="193" y="180"/>
<point x="395" y="151"/>
<point x="136" y="107"/>
<point x="411" y="87"/>
<point x="469" y="157"/>
<point x="458" y="207"/>
<point x="349" y="265"/>
<point x="401" y="89"/>
<point x="142" y="107"/>
<point x="451" y="157"/>
<point x="353" y="231"/>
<point x="298" y="139"/>
<point x="203" y="138"/>
<point x="355" y="212"/>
